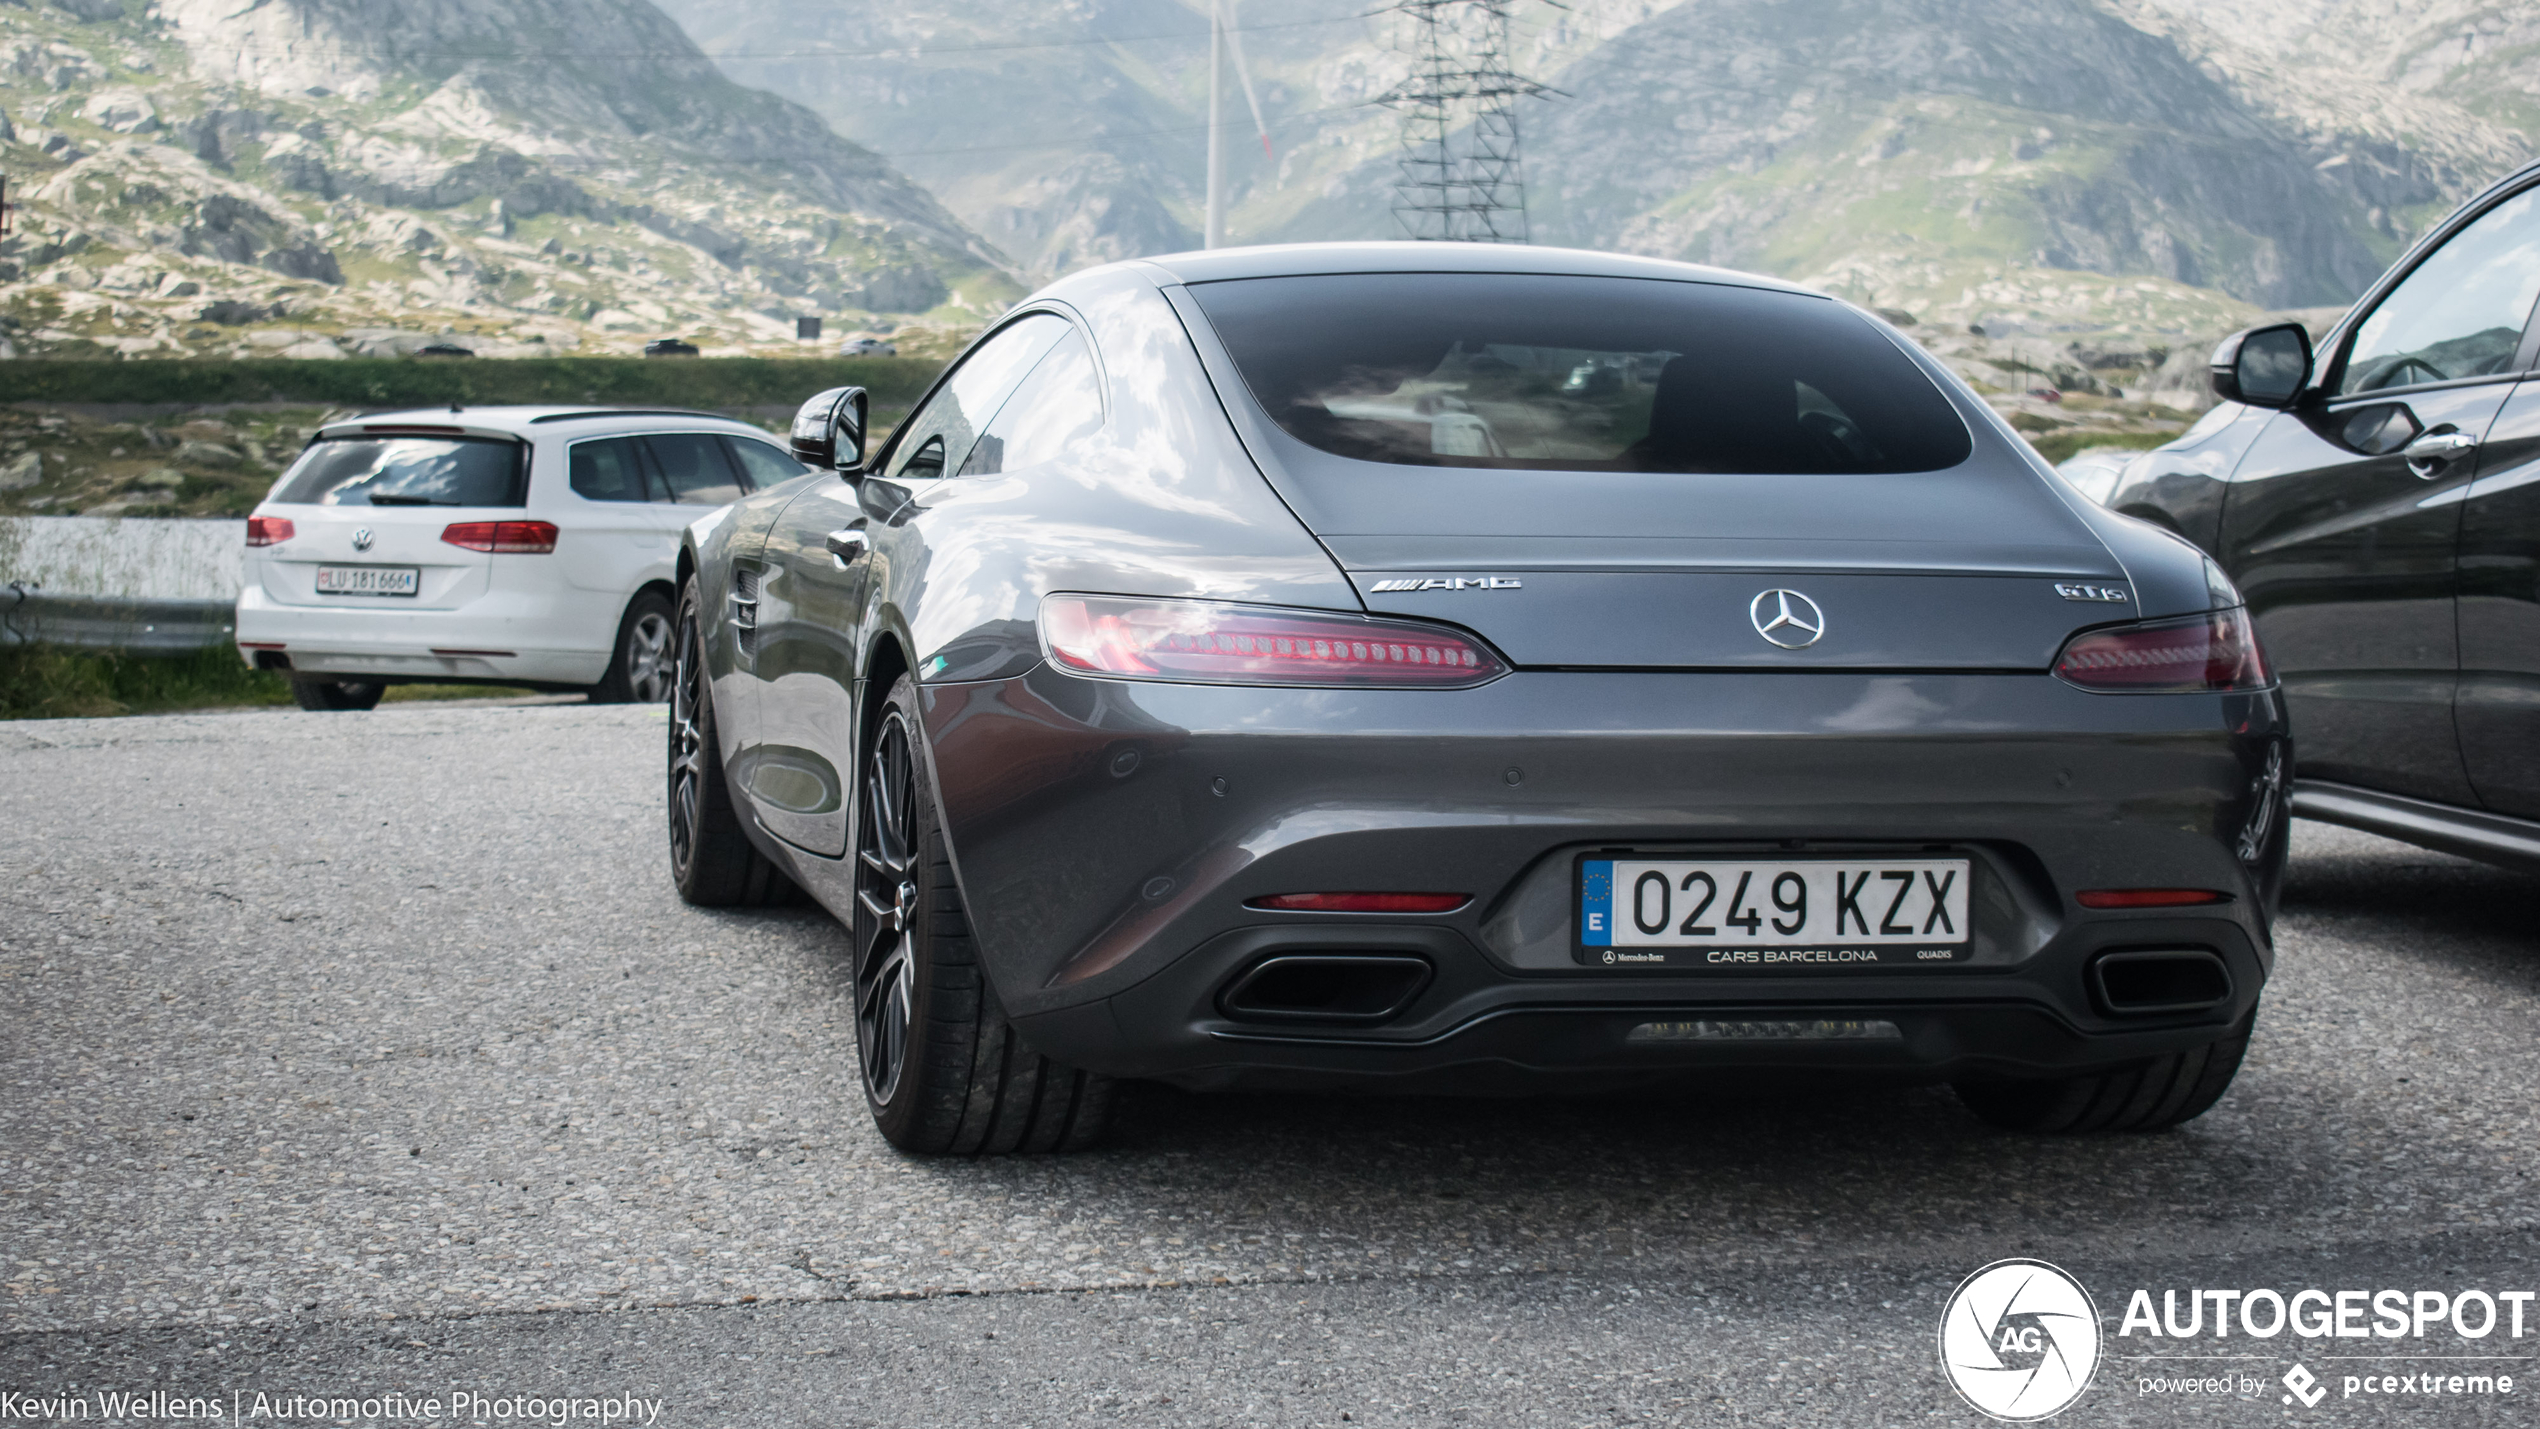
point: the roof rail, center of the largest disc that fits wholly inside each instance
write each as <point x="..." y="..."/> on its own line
<point x="594" y="413"/>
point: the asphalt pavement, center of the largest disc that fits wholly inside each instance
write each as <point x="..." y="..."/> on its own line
<point x="372" y="1055"/>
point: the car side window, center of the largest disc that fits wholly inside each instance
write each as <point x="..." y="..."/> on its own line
<point x="695" y="466"/>
<point x="611" y="469"/>
<point x="1058" y="404"/>
<point x="2461" y="313"/>
<point x="762" y="464"/>
<point x="969" y="398"/>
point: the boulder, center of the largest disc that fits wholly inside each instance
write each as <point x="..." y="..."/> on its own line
<point x="194" y="453"/>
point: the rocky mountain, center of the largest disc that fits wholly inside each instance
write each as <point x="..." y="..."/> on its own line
<point x="322" y="176"/>
<point x="2155" y="167"/>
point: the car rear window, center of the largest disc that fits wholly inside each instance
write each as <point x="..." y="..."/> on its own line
<point x="408" y="471"/>
<point x="1547" y="372"/>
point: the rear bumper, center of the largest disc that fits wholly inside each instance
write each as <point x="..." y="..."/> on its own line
<point x="1109" y="834"/>
<point x="497" y="637"/>
<point x="1478" y="1029"/>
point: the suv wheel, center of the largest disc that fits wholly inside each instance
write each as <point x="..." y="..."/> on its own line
<point x="712" y="862"/>
<point x="337" y="694"/>
<point x="2153" y="1095"/>
<point x="641" y="669"/>
<point x="943" y="1069"/>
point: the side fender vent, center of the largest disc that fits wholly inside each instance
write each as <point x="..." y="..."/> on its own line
<point x="744" y="614"/>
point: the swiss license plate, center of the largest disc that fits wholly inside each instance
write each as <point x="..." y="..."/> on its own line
<point x="1770" y="915"/>
<point x="369" y="580"/>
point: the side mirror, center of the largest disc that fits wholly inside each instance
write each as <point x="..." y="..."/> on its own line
<point x="2262" y="366"/>
<point x="829" y="431"/>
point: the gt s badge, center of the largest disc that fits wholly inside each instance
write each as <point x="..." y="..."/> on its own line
<point x="2110" y="594"/>
<point x="1449" y="583"/>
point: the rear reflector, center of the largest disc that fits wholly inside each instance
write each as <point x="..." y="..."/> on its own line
<point x="269" y="530"/>
<point x="523" y="538"/>
<point x="2148" y="897"/>
<point x="2214" y="651"/>
<point x="261" y="645"/>
<point x="1362" y="902"/>
<point x="1212" y="643"/>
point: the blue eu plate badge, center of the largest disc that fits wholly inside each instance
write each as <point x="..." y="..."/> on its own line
<point x="1596" y="903"/>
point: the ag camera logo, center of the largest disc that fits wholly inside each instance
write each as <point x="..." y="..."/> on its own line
<point x="2020" y="1340"/>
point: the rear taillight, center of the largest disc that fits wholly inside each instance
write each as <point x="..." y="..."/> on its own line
<point x="519" y="538"/>
<point x="269" y="530"/>
<point x="1362" y="902"/>
<point x="2214" y="651"/>
<point x="1211" y="643"/>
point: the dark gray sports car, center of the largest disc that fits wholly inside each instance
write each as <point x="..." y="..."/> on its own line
<point x="1457" y="668"/>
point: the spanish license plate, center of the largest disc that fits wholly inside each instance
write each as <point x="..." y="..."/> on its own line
<point x="1759" y="915"/>
<point x="369" y="580"/>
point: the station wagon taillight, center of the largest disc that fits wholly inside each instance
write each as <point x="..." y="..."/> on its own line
<point x="519" y="538"/>
<point x="1209" y="642"/>
<point x="269" y="530"/>
<point x="2214" y="651"/>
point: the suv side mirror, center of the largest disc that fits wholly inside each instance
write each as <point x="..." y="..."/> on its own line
<point x="2262" y="366"/>
<point x="829" y="431"/>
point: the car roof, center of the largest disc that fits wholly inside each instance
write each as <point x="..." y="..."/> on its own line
<point x="1295" y="259"/>
<point x="520" y="423"/>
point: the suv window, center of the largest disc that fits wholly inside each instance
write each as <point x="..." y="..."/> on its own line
<point x="2461" y="312"/>
<point x="951" y="419"/>
<point x="695" y="466"/>
<point x="761" y="463"/>
<point x="1059" y="403"/>
<point x="1544" y="372"/>
<point x="408" y="471"/>
<point x="612" y="469"/>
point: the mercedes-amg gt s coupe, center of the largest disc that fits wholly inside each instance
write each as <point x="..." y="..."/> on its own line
<point x="1476" y="669"/>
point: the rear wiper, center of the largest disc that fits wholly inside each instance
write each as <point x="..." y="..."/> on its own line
<point x="408" y="501"/>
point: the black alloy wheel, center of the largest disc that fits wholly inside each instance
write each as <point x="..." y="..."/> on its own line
<point x="886" y="903"/>
<point x="944" y="1071"/>
<point x="641" y="666"/>
<point x="712" y="862"/>
<point x="338" y="694"/>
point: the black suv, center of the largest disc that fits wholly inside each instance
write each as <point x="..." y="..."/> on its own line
<point x="2378" y="502"/>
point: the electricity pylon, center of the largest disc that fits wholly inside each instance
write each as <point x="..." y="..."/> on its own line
<point x="1461" y="178"/>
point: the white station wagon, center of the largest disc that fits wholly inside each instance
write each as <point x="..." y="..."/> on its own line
<point x="498" y="545"/>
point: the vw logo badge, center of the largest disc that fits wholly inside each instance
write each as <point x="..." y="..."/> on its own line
<point x="1787" y="618"/>
<point x="362" y="539"/>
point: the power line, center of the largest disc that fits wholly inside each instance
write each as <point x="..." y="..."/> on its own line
<point x="913" y="50"/>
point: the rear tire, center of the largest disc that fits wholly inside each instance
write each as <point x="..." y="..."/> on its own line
<point x="643" y="663"/>
<point x="712" y="863"/>
<point x="2152" y="1095"/>
<point x="338" y="694"/>
<point x="944" y="1071"/>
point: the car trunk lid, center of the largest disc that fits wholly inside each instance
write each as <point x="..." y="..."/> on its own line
<point x="1955" y="570"/>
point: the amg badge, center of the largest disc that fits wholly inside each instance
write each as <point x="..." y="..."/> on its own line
<point x="1448" y="583"/>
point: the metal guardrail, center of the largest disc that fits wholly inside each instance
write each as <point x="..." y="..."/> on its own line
<point x="31" y="617"/>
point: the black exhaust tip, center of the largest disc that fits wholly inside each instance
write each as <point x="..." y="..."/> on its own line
<point x="2155" y="980"/>
<point x="1350" y="989"/>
